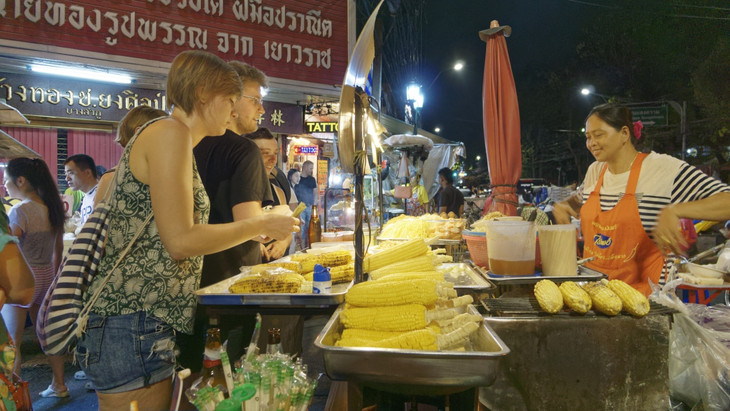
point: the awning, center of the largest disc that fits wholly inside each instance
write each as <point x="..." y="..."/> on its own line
<point x="12" y="148"/>
<point x="10" y="115"/>
<point x="395" y="126"/>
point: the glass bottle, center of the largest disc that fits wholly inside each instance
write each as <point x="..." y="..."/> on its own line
<point x="273" y="345"/>
<point x="315" y="229"/>
<point x="212" y="373"/>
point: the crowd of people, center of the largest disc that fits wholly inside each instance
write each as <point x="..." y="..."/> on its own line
<point x="208" y="175"/>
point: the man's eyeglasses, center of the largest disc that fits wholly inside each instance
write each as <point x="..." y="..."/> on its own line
<point x="255" y="99"/>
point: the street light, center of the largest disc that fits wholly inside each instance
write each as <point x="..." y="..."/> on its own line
<point x="415" y="101"/>
<point x="479" y="158"/>
<point x="437" y="130"/>
<point x="458" y="66"/>
<point x="590" y="90"/>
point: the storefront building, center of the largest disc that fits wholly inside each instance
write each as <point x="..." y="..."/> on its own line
<point x="303" y="48"/>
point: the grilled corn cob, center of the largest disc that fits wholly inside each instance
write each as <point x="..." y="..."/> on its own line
<point x="420" y="263"/>
<point x="329" y="259"/>
<point x="415" y="275"/>
<point x="278" y="283"/>
<point x="548" y="296"/>
<point x="287" y="265"/>
<point x="404" y="251"/>
<point x="634" y="302"/>
<point x="376" y="293"/>
<point x="575" y="297"/>
<point x="407" y="317"/>
<point x="339" y="274"/>
<point x="604" y="300"/>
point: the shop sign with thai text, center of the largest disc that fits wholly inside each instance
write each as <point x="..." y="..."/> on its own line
<point x="304" y="41"/>
<point x="58" y="97"/>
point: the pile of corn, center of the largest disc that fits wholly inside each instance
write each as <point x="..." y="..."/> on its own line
<point x="406" y="305"/>
<point x="607" y="297"/>
<point x="291" y="276"/>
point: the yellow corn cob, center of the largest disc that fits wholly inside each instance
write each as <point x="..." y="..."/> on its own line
<point x="407" y="317"/>
<point x="604" y="300"/>
<point x="339" y="274"/>
<point x="420" y="263"/>
<point x="404" y="251"/>
<point x="428" y="340"/>
<point x="376" y="293"/>
<point x="279" y="283"/>
<point x="415" y="275"/>
<point x="287" y="265"/>
<point x="329" y="259"/>
<point x="359" y="337"/>
<point x="634" y="302"/>
<point x="548" y="296"/>
<point x="446" y="326"/>
<point x="365" y="334"/>
<point x="575" y="297"/>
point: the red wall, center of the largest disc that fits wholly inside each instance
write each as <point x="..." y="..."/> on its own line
<point x="98" y="144"/>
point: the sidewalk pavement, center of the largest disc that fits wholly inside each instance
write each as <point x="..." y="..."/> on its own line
<point x="37" y="372"/>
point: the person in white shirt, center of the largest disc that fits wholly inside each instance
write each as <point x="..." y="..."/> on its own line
<point x="81" y="175"/>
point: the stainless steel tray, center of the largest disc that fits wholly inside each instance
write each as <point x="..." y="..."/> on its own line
<point x="584" y="274"/>
<point x="401" y="369"/>
<point x="473" y="280"/>
<point x="218" y="294"/>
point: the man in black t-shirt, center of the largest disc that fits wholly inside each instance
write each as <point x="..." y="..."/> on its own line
<point x="234" y="176"/>
<point x="450" y="199"/>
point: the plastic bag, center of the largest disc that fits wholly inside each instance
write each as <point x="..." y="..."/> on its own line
<point x="699" y="360"/>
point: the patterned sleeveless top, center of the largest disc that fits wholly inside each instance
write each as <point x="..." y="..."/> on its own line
<point x="148" y="279"/>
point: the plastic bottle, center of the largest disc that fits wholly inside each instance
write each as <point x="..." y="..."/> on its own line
<point x="273" y="345"/>
<point x="321" y="280"/>
<point x="315" y="229"/>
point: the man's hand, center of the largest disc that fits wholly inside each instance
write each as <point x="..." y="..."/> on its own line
<point x="277" y="249"/>
<point x="264" y="253"/>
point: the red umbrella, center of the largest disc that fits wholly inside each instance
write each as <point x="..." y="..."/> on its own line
<point x="501" y="119"/>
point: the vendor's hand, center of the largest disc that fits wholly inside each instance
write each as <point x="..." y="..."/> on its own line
<point x="279" y="227"/>
<point x="277" y="249"/>
<point x="667" y="233"/>
<point x="562" y="213"/>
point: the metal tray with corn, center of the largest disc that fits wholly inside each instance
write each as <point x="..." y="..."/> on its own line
<point x="412" y="368"/>
<point x="285" y="282"/>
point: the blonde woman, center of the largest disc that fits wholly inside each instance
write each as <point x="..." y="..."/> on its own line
<point x="152" y="296"/>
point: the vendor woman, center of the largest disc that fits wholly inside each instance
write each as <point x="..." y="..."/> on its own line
<point x="630" y="202"/>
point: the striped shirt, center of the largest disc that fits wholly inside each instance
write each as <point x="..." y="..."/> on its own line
<point x="663" y="180"/>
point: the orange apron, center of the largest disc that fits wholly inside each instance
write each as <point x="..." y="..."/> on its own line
<point x="617" y="239"/>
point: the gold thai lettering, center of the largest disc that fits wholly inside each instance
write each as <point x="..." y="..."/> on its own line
<point x="130" y="99"/>
<point x="604" y="228"/>
<point x="54" y="96"/>
<point x="22" y="93"/>
<point x="85" y="98"/>
<point x="70" y="97"/>
<point x="8" y="90"/>
<point x="37" y="91"/>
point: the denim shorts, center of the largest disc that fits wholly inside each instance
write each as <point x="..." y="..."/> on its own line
<point x="126" y="352"/>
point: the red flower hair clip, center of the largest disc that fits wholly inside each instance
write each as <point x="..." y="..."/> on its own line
<point x="638" y="126"/>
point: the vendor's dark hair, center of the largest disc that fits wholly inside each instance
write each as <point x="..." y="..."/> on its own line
<point x="39" y="177"/>
<point x="616" y="116"/>
<point x="446" y="174"/>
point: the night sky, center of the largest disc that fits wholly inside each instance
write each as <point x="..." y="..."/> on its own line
<point x="544" y="35"/>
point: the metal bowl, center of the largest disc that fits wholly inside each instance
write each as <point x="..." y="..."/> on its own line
<point x="707" y="271"/>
